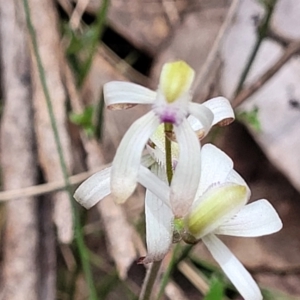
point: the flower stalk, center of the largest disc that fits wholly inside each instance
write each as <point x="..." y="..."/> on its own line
<point x="150" y="279"/>
<point x="168" y="151"/>
<point x="153" y="271"/>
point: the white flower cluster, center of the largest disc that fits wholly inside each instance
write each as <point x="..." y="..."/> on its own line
<point x="206" y="196"/>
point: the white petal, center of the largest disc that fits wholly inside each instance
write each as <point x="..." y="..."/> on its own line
<point x="159" y="220"/>
<point x="123" y="95"/>
<point x="221" y="109"/>
<point x="127" y="160"/>
<point x="204" y="116"/>
<point x="255" y="219"/>
<point x="235" y="177"/>
<point x="154" y="184"/>
<point x="215" y="168"/>
<point x="187" y="172"/>
<point x="94" y="189"/>
<point x="233" y="268"/>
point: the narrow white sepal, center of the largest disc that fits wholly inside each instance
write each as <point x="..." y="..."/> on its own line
<point x="127" y="160"/>
<point x="203" y="114"/>
<point x="233" y="268"/>
<point x="215" y="168"/>
<point x="186" y="177"/>
<point x="221" y="109"/>
<point x="94" y="189"/>
<point x="154" y="184"/>
<point x="159" y="220"/>
<point x="255" y="219"/>
<point x="122" y="95"/>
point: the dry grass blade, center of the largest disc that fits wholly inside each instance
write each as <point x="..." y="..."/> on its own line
<point x="20" y="272"/>
<point x="78" y="12"/>
<point x="45" y="20"/>
<point x="174" y="292"/>
<point x="190" y="272"/>
<point x="214" y="51"/>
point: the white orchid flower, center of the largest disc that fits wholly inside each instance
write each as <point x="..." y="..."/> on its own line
<point x="220" y="208"/>
<point x="171" y="103"/>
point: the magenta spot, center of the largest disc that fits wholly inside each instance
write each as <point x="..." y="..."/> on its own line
<point x="168" y="117"/>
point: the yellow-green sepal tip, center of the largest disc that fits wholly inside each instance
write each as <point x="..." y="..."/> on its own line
<point x="175" y="79"/>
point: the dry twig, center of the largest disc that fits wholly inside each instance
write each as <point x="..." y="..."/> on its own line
<point x="290" y="51"/>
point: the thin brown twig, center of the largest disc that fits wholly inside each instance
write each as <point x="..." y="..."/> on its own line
<point x="77" y="13"/>
<point x="284" y="271"/>
<point x="216" y="46"/>
<point x="276" y="36"/>
<point x="189" y="271"/>
<point x="45" y="188"/>
<point x="291" y="50"/>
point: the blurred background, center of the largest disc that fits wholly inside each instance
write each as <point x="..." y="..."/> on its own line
<point x="55" y="132"/>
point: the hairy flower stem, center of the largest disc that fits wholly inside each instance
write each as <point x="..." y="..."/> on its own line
<point x="168" y="151"/>
<point x="83" y="253"/>
<point x="151" y="276"/>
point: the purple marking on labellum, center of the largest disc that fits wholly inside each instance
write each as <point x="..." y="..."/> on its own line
<point x="168" y="117"/>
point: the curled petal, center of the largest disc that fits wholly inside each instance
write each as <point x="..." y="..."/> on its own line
<point x="159" y="220"/>
<point x="187" y="173"/>
<point x="203" y="115"/>
<point x="94" y="189"/>
<point x="221" y="109"/>
<point x="255" y="219"/>
<point x="127" y="160"/>
<point x="233" y="268"/>
<point x="215" y="168"/>
<point x="122" y="95"/>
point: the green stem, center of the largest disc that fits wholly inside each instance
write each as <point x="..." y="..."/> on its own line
<point x="151" y="276"/>
<point x="100" y="21"/>
<point x="153" y="271"/>
<point x="168" y="150"/>
<point x="83" y="253"/>
<point x="262" y="33"/>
